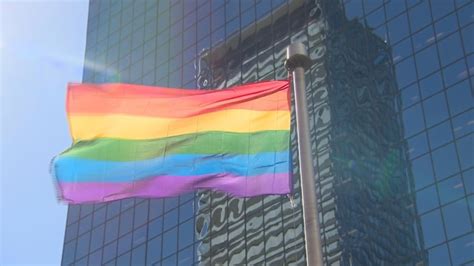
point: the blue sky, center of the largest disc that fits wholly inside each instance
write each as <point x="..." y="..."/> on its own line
<point x="42" y="48"/>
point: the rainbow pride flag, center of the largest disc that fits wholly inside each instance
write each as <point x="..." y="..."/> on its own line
<point x="140" y="141"/>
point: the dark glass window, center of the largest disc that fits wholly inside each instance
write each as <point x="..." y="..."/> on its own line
<point x="440" y="135"/>
<point x="82" y="245"/>
<point x="426" y="199"/>
<point x="69" y="251"/>
<point x="376" y="18"/>
<point x="456" y="218"/>
<point x="439" y="255"/>
<point x="170" y="260"/>
<point x="406" y="72"/>
<point x="423" y="38"/>
<point x="141" y="214"/>
<point x="432" y="226"/>
<point x="450" y="49"/>
<point x="420" y="16"/>
<point x="71" y="232"/>
<point x="460" y="97"/>
<point x="110" y="251"/>
<point x="95" y="258"/>
<point x="445" y="161"/>
<point x="153" y="250"/>
<point x="462" y="124"/>
<point x="97" y="238"/>
<point x="99" y="216"/>
<point x="398" y="28"/>
<point x="436" y="109"/>
<point x="156" y="208"/>
<point x="186" y="211"/>
<point x="126" y="221"/>
<point x="73" y="213"/>
<point x="461" y="249"/>
<point x="186" y="256"/>
<point x="422" y="171"/>
<point x="353" y="9"/>
<point x="138" y="255"/>
<point x="454" y="73"/>
<point x="113" y="209"/>
<point x="139" y="235"/>
<point x="441" y="8"/>
<point x="186" y="234"/>
<point x="417" y="145"/>
<point x="155" y="227"/>
<point x="85" y="224"/>
<point x="431" y="85"/>
<point x="465" y="147"/>
<point x="171" y="219"/>
<point x="124" y="243"/>
<point x="111" y="230"/>
<point x="413" y="120"/>
<point x="124" y="260"/>
<point x="427" y="61"/>
<point x="170" y="242"/>
<point x="446" y="26"/>
<point x="451" y="189"/>
<point x="402" y="50"/>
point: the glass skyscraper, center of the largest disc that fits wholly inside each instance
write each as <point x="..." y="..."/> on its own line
<point x="390" y="97"/>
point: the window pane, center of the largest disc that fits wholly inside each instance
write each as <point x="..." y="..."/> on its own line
<point x="139" y="235"/>
<point x="124" y="260"/>
<point x="413" y="120"/>
<point x="445" y="161"/>
<point x="420" y="16"/>
<point x="153" y="250"/>
<point x="450" y="49"/>
<point x="426" y="199"/>
<point x="126" y="221"/>
<point x="454" y="73"/>
<point x="461" y="249"/>
<point x="456" y="218"/>
<point x="417" y="145"/>
<point x="423" y="38"/>
<point x="410" y="96"/>
<point x="460" y="97"/>
<point x="186" y="257"/>
<point x="125" y="243"/>
<point x="436" y="109"/>
<point x="97" y="237"/>
<point x="138" y="256"/>
<point x="450" y="189"/>
<point x="422" y="171"/>
<point x="441" y="8"/>
<point x="439" y="255"/>
<point x="463" y="124"/>
<point x="446" y="26"/>
<point x="111" y="230"/>
<point x="432" y="227"/>
<point x="186" y="234"/>
<point x="431" y="85"/>
<point x="427" y="61"/>
<point x="440" y="135"/>
<point x="141" y="214"/>
<point x="110" y="251"/>
<point x="406" y="72"/>
<point x="398" y="28"/>
<point x="466" y="150"/>
<point x="170" y="238"/>
<point x="154" y="228"/>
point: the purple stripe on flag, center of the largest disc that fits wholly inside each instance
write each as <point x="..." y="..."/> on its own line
<point x="169" y="186"/>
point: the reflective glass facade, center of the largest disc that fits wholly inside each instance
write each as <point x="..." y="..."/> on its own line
<point x="390" y="96"/>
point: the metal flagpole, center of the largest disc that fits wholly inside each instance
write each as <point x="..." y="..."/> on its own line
<point x="297" y="61"/>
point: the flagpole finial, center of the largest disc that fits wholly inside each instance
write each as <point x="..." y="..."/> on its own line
<point x="296" y="56"/>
